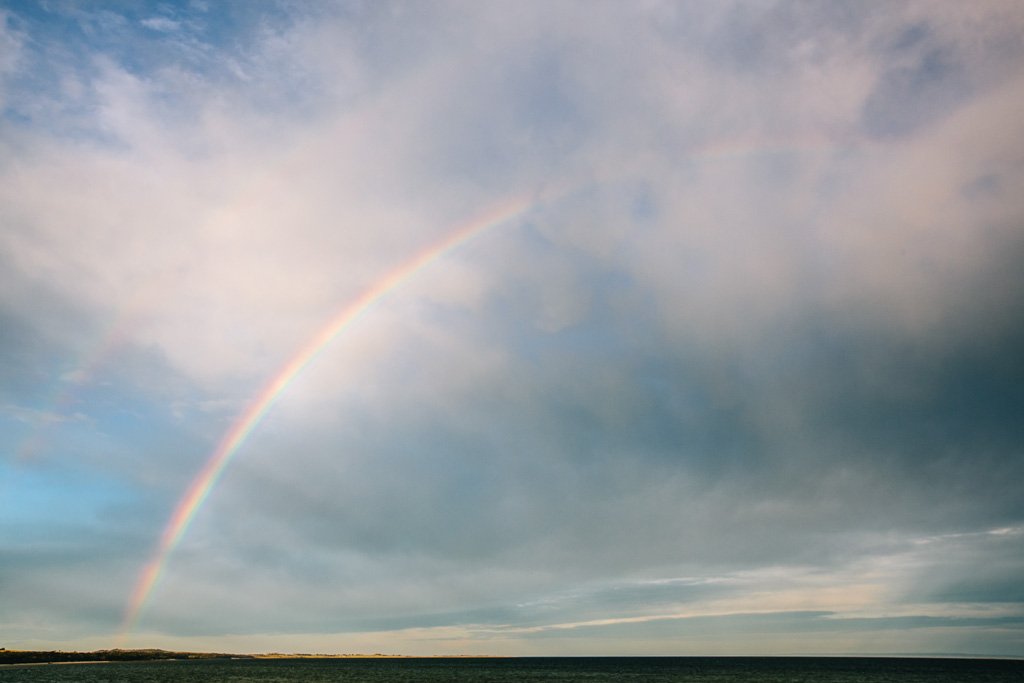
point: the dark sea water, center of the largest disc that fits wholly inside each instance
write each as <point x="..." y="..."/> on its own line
<point x="694" y="669"/>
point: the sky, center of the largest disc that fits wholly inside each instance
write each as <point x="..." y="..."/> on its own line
<point x="528" y="328"/>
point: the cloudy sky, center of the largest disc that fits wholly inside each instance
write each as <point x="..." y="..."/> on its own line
<point x="740" y="371"/>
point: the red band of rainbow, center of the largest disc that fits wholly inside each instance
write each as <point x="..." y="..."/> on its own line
<point x="206" y="479"/>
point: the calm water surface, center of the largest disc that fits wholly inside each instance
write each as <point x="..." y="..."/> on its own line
<point x="693" y="669"/>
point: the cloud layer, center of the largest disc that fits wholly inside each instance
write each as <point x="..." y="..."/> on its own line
<point x="744" y="377"/>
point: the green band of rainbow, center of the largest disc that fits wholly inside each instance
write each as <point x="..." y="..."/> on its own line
<point x="206" y="479"/>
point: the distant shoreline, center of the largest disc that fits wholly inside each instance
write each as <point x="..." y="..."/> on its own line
<point x="7" y="665"/>
<point x="20" y="658"/>
<point x="9" y="658"/>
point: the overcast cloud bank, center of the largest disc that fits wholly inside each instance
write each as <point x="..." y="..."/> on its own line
<point x="744" y="378"/>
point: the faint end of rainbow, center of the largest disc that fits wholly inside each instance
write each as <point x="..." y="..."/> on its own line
<point x="229" y="444"/>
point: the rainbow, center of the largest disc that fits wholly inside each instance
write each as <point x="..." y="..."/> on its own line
<point x="242" y="428"/>
<point x="201" y="486"/>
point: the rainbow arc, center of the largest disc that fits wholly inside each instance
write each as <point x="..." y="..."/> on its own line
<point x="231" y="442"/>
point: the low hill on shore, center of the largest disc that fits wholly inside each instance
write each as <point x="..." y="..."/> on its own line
<point x="115" y="655"/>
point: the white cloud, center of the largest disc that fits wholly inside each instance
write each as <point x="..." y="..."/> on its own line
<point x="686" y="357"/>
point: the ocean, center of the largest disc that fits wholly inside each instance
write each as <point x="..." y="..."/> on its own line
<point x="692" y="669"/>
